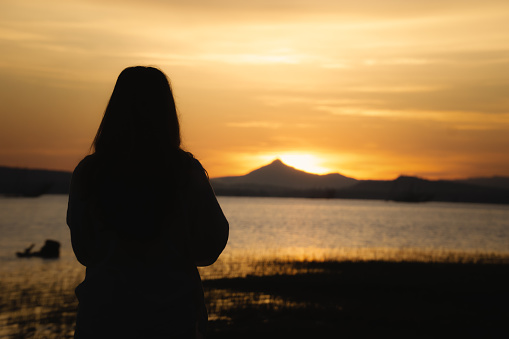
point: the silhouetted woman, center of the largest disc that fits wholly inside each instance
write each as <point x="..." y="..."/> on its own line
<point x="142" y="216"/>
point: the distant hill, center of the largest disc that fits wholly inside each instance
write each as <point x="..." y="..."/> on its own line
<point x="277" y="174"/>
<point x="411" y="189"/>
<point x="33" y="182"/>
<point x="279" y="180"/>
<point x="495" y="182"/>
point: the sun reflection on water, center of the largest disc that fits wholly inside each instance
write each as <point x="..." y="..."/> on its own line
<point x="243" y="263"/>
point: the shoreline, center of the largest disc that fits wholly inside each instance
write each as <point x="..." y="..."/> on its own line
<point x="281" y="298"/>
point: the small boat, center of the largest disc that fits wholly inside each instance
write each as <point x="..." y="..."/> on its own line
<point x="51" y="249"/>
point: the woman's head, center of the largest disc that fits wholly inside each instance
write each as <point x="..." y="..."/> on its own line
<point x="141" y="115"/>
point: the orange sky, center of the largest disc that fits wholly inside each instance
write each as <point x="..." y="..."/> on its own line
<point x="370" y="89"/>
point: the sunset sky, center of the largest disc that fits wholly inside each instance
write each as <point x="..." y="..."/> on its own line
<point x="370" y="89"/>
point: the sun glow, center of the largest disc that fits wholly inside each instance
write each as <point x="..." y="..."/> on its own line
<point x="305" y="162"/>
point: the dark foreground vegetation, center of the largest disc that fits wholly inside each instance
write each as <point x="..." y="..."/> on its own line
<point x="318" y="299"/>
<point x="366" y="300"/>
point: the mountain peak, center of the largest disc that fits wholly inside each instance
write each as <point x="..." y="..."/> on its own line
<point x="277" y="162"/>
<point x="279" y="165"/>
<point x="279" y="174"/>
<point x="276" y="167"/>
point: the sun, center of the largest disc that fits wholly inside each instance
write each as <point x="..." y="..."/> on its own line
<point x="305" y="162"/>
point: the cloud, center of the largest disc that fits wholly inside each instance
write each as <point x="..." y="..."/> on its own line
<point x="390" y="9"/>
<point x="254" y="124"/>
<point x="458" y="120"/>
<point x="227" y="58"/>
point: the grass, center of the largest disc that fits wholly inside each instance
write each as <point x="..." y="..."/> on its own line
<point x="406" y="294"/>
<point x="368" y="299"/>
<point x="35" y="307"/>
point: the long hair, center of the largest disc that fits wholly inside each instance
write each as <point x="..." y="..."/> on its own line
<point x="137" y="171"/>
<point x="141" y="117"/>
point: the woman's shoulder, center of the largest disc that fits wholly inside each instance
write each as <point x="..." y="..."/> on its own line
<point x="85" y="164"/>
<point x="80" y="182"/>
<point x="189" y="161"/>
<point x="196" y="165"/>
<point x="91" y="163"/>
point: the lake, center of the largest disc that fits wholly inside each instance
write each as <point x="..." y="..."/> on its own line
<point x="38" y="295"/>
<point x="287" y="227"/>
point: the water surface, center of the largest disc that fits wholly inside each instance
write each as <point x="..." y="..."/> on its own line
<point x="285" y="225"/>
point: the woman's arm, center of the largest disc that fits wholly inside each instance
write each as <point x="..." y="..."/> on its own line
<point x="209" y="228"/>
<point x="89" y="240"/>
<point x="76" y="215"/>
